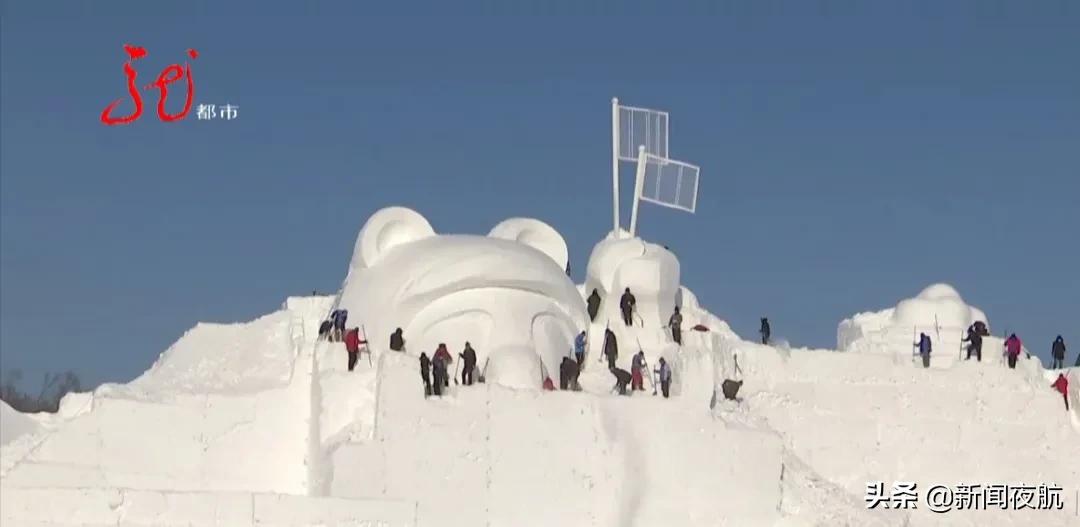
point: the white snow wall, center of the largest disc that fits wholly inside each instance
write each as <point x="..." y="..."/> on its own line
<point x="858" y="418"/>
<point x="151" y="435"/>
<point x="536" y="458"/>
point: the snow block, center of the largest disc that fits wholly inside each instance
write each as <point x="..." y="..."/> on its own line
<point x="281" y="510"/>
<point x="977" y="423"/>
<point x="650" y="271"/>
<point x="346" y="400"/>
<point x="255" y="442"/>
<point x="14" y="424"/>
<point x="536" y="458"/>
<point x="109" y="507"/>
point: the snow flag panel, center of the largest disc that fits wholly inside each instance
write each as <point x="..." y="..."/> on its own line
<point x="642" y="127"/>
<point x="670" y="183"/>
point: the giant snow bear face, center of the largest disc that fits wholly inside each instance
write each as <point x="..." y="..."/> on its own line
<point x="506" y="293"/>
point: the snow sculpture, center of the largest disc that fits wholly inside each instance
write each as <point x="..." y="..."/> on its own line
<point x="506" y="293"/>
<point x="938" y="311"/>
<point x="649" y="270"/>
<point x="938" y="304"/>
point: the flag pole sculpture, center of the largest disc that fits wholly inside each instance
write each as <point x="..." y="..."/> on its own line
<point x="641" y="135"/>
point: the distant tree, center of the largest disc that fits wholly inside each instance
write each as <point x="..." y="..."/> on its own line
<point x="54" y="386"/>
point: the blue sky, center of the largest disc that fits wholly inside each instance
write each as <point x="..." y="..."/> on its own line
<point x="851" y="153"/>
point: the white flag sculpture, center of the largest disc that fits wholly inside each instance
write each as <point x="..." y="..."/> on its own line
<point x="664" y="182"/>
<point x="659" y="180"/>
<point x="644" y="128"/>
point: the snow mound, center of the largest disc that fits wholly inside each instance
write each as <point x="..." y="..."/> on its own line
<point x="507" y="294"/>
<point x="14" y="424"/>
<point x="246" y="358"/>
<point x="939" y="311"/>
<point x="649" y="270"/>
<point x="938" y="304"/>
<point x="241" y="358"/>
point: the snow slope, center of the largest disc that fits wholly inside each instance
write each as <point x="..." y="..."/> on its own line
<point x="261" y="424"/>
<point x="14" y="425"/>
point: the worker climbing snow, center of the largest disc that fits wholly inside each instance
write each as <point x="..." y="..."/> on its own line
<point x="397" y="340"/>
<point x="765" y="331"/>
<point x="974" y="340"/>
<point x="325" y="328"/>
<point x="622" y="378"/>
<point x="339" y="316"/>
<point x="924" y="349"/>
<point x="352" y="345"/>
<point x="442" y="355"/>
<point x="1062" y="385"/>
<point x="468" y="358"/>
<point x="425" y="373"/>
<point x="593" y="304"/>
<point x="1057" y="351"/>
<point x="579" y="349"/>
<point x="675" y="323"/>
<point x="627" y="304"/>
<point x="1012" y="349"/>
<point x="637" y="372"/>
<point x="665" y="377"/>
<point x="611" y="348"/>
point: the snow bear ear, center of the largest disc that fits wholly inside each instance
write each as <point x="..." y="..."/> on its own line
<point x="535" y="234"/>
<point x="386" y="229"/>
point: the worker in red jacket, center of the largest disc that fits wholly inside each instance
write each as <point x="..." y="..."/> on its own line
<point x="352" y="345"/>
<point x="1062" y="385"/>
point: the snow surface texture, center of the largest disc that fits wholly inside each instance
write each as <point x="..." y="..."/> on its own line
<point x="14" y="425"/>
<point x="260" y="424"/>
<point x="506" y="293"/>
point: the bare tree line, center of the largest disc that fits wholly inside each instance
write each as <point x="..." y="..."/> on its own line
<point x="54" y="386"/>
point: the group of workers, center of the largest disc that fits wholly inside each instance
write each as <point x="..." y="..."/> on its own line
<point x="434" y="371"/>
<point x="1013" y="348"/>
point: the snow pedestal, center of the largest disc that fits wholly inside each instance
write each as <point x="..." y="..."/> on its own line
<point x="489" y="455"/>
<point x="858" y="418"/>
<point x="108" y="507"/>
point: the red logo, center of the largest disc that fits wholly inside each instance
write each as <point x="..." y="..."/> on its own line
<point x="168" y="76"/>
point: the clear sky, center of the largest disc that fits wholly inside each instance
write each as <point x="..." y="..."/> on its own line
<point x="852" y="153"/>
